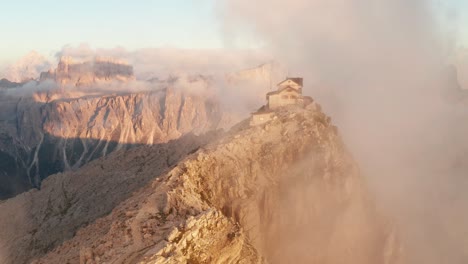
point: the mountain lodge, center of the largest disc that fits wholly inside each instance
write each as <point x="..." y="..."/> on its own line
<point x="289" y="92"/>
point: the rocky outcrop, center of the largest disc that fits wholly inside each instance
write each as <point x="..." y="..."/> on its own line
<point x="89" y="72"/>
<point x="39" y="221"/>
<point x="286" y="191"/>
<point x="86" y="109"/>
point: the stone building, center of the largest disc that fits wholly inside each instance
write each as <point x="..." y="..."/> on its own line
<point x="289" y="92"/>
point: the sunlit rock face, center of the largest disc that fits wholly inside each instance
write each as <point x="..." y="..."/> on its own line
<point x="286" y="191"/>
<point x="86" y="110"/>
<point x="83" y="110"/>
<point x="84" y="73"/>
<point x="59" y="135"/>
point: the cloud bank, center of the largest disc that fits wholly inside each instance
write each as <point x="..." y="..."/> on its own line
<point x="377" y="66"/>
<point x="238" y="78"/>
<point x="26" y="68"/>
<point x="163" y="62"/>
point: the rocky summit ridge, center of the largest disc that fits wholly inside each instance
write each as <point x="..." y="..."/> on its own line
<point x="284" y="191"/>
<point x="83" y="73"/>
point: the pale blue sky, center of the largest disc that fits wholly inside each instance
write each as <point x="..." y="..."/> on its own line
<point x="47" y="25"/>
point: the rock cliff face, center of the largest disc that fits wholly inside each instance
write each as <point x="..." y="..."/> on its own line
<point x="83" y="110"/>
<point x="88" y="72"/>
<point x="286" y="191"/>
<point x="41" y="138"/>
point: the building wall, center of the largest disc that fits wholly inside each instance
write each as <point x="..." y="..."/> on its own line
<point x="289" y="83"/>
<point x="284" y="98"/>
<point x="259" y="119"/>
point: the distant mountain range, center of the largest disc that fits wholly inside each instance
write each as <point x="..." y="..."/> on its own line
<point x="83" y="110"/>
<point x="85" y="73"/>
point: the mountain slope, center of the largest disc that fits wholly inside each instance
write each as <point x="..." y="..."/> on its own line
<point x="285" y="191"/>
<point x="37" y="221"/>
<point x="87" y="108"/>
<point x="85" y="73"/>
<point x="41" y="138"/>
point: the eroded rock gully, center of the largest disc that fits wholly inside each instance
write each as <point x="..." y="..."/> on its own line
<point x="40" y="139"/>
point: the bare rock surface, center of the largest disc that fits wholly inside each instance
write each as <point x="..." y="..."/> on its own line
<point x="37" y="221"/>
<point x="38" y="139"/>
<point x="81" y="73"/>
<point x="284" y="192"/>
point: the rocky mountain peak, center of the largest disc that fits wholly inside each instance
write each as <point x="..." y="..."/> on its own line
<point x="87" y="72"/>
<point x="285" y="191"/>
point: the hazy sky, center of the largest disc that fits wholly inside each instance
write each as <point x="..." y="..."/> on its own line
<point x="48" y="25"/>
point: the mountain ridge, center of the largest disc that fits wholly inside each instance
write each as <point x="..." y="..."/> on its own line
<point x="230" y="202"/>
<point x="65" y="134"/>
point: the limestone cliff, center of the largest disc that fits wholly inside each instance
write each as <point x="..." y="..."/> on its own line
<point x="39" y="138"/>
<point x="83" y="73"/>
<point x="287" y="191"/>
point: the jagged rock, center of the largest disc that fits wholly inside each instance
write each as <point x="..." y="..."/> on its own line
<point x="45" y="138"/>
<point x="41" y="220"/>
<point x="295" y="198"/>
<point x="89" y="72"/>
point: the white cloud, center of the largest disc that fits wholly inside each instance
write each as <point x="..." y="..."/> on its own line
<point x="28" y="67"/>
<point x="376" y="66"/>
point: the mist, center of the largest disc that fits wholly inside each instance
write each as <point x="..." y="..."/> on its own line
<point x="238" y="79"/>
<point x="462" y="67"/>
<point x="379" y="69"/>
<point x="169" y="61"/>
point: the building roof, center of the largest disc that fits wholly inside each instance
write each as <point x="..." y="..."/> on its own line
<point x="299" y="81"/>
<point x="281" y="90"/>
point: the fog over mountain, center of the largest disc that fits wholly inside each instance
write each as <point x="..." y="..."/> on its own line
<point x="27" y="68"/>
<point x="461" y="62"/>
<point x="92" y="104"/>
<point x="162" y="62"/>
<point x="379" y="70"/>
<point x="340" y="138"/>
